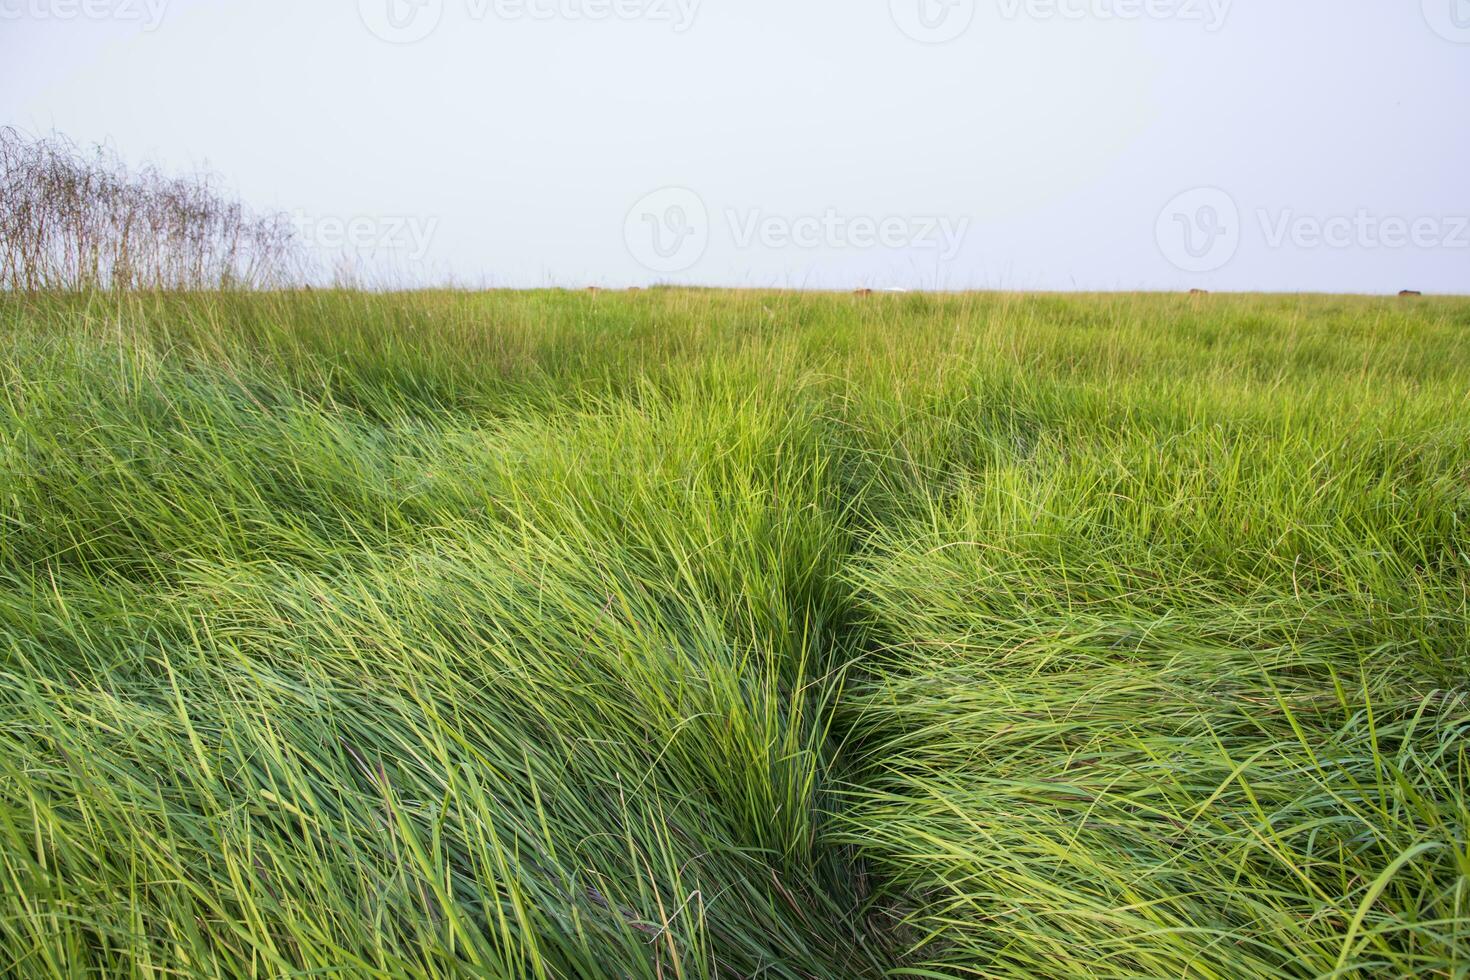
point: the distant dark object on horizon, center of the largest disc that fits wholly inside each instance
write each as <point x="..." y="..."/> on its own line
<point x="1410" y="292"/>
<point x="862" y="292"/>
<point x="1199" y="292"/>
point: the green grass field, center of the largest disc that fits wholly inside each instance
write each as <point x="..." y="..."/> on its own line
<point x="690" y="634"/>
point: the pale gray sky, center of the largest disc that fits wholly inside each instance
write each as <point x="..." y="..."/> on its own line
<point x="1030" y="144"/>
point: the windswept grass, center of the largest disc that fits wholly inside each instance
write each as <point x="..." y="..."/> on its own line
<point x="703" y="634"/>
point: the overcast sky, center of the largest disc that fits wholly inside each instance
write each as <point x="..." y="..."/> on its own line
<point x="1029" y="144"/>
